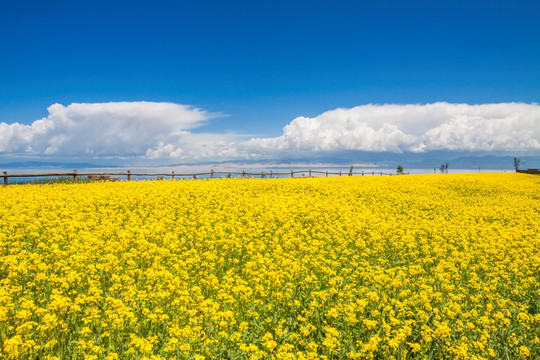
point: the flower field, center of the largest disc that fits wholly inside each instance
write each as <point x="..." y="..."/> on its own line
<point x="420" y="267"/>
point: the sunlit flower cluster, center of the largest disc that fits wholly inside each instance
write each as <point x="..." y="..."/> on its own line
<point x="423" y="266"/>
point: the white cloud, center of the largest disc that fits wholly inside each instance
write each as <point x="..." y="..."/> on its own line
<point x="123" y="129"/>
<point x="146" y="130"/>
<point x="194" y="147"/>
<point x="499" y="127"/>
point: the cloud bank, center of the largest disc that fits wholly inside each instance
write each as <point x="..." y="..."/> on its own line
<point x="147" y="130"/>
<point x="115" y="129"/>
<point x="503" y="127"/>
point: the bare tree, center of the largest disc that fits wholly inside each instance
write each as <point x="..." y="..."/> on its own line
<point x="444" y="168"/>
<point x="516" y="163"/>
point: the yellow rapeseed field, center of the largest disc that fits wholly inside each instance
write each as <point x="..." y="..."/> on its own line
<point x="422" y="266"/>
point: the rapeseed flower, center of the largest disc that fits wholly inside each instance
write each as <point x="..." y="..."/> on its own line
<point x="434" y="266"/>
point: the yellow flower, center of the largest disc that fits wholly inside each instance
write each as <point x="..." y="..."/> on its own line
<point x="268" y="341"/>
<point x="315" y="268"/>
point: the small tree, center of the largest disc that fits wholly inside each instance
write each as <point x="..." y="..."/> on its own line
<point x="444" y="168"/>
<point x="441" y="168"/>
<point x="516" y="163"/>
<point x="400" y="170"/>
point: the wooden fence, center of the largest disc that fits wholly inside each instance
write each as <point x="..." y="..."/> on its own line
<point x="211" y="173"/>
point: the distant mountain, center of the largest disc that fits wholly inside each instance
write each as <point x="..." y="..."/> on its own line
<point x="470" y="162"/>
<point x="429" y="160"/>
<point x="391" y="160"/>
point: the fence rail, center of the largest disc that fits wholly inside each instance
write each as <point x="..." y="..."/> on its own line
<point x="211" y="173"/>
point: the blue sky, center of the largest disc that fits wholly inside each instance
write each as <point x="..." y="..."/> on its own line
<point x="254" y="67"/>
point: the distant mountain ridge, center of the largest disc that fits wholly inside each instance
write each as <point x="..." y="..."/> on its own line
<point x="391" y="160"/>
<point x="383" y="160"/>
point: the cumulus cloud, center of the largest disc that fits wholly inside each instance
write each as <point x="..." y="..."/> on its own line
<point x="115" y="129"/>
<point x="147" y="130"/>
<point x="499" y="127"/>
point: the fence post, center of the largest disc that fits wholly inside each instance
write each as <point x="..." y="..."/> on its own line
<point x="373" y="173"/>
<point x="75" y="176"/>
<point x="339" y="172"/>
<point x="292" y="174"/>
<point x="173" y="174"/>
<point x="212" y="173"/>
<point x="270" y="174"/>
<point x="381" y="173"/>
<point x="5" y="178"/>
<point x="243" y="174"/>
<point x="326" y="173"/>
<point x="129" y="175"/>
<point x="309" y="172"/>
<point x="362" y="172"/>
